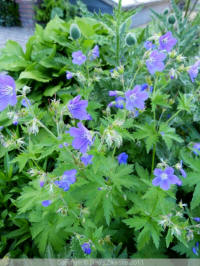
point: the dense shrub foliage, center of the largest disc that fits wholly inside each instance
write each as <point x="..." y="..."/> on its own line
<point x="9" y="15"/>
<point x="48" y="9"/>
<point x="100" y="140"/>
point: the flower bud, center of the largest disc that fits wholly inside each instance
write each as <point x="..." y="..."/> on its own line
<point x="121" y="69"/>
<point x="171" y="19"/>
<point x="75" y="32"/>
<point x="26" y="90"/>
<point x="180" y="58"/>
<point x="130" y="39"/>
<point x="166" y="11"/>
<point x="172" y="54"/>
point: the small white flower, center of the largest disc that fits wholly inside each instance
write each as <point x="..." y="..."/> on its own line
<point x="26" y="90"/>
<point x="33" y="129"/>
<point x="176" y="230"/>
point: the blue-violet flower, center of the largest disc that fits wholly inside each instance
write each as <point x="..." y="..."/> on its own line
<point x="167" y="42"/>
<point x="155" y="62"/>
<point x="7" y="92"/>
<point x="82" y="138"/>
<point x="135" y="98"/>
<point x="86" y="248"/>
<point x="122" y="158"/>
<point x="78" y="58"/>
<point x="164" y="178"/>
<point x="77" y="108"/>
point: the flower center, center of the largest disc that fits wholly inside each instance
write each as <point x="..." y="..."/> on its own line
<point x="165" y="40"/>
<point x="8" y="90"/>
<point x="164" y="176"/>
<point x="133" y="97"/>
<point x="87" y="136"/>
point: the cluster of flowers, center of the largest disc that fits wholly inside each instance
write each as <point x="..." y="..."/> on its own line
<point x="157" y="56"/>
<point x="132" y="99"/>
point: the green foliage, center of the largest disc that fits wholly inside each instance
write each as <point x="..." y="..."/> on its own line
<point x="49" y="9"/>
<point x="112" y="205"/>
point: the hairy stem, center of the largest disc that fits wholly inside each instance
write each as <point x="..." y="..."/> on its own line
<point x="117" y="33"/>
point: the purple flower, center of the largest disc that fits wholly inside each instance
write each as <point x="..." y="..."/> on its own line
<point x="87" y="159"/>
<point x="183" y="173"/>
<point x="193" y="71"/>
<point x="164" y="178"/>
<point x="77" y="108"/>
<point x="196" y="148"/>
<point x="113" y="93"/>
<point x="7" y="92"/>
<point x="66" y="144"/>
<point x="196" y="219"/>
<point x="60" y="146"/>
<point x="135" y="98"/>
<point x="68" y="178"/>
<point x="119" y="102"/>
<point x="69" y="75"/>
<point x="78" y="58"/>
<point x="167" y="42"/>
<point x="1" y="128"/>
<point x="195" y="249"/>
<point x="122" y="158"/>
<point x="86" y="248"/>
<point x="149" y="45"/>
<point x="46" y="203"/>
<point x="155" y="62"/>
<point x="95" y="52"/>
<point x="82" y="137"/>
<point x="15" y="122"/>
<point x="25" y="102"/>
<point x="144" y="87"/>
<point x="41" y="183"/>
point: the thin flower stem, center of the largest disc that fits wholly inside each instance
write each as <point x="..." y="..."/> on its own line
<point x="172" y="117"/>
<point x="153" y="159"/>
<point x="132" y="82"/>
<point x="154" y="118"/>
<point x="117" y="33"/>
<point x="113" y="154"/>
<point x="42" y="125"/>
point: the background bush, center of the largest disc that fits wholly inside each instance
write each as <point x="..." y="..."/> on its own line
<point x="9" y="14"/>
<point x="48" y="9"/>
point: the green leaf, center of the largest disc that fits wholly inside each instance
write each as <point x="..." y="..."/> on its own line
<point x="12" y="57"/>
<point x="185" y="103"/>
<point x="50" y="91"/>
<point x="168" y="135"/>
<point x="143" y="173"/>
<point x="159" y="98"/>
<point x="136" y="222"/>
<point x="35" y="72"/>
<point x="108" y="208"/>
<point x="148" y="133"/>
<point x="169" y="237"/>
<point x="196" y="197"/>
<point x="143" y="238"/>
<point x="22" y="160"/>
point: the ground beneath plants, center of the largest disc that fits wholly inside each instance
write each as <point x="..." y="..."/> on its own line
<point x="18" y="34"/>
